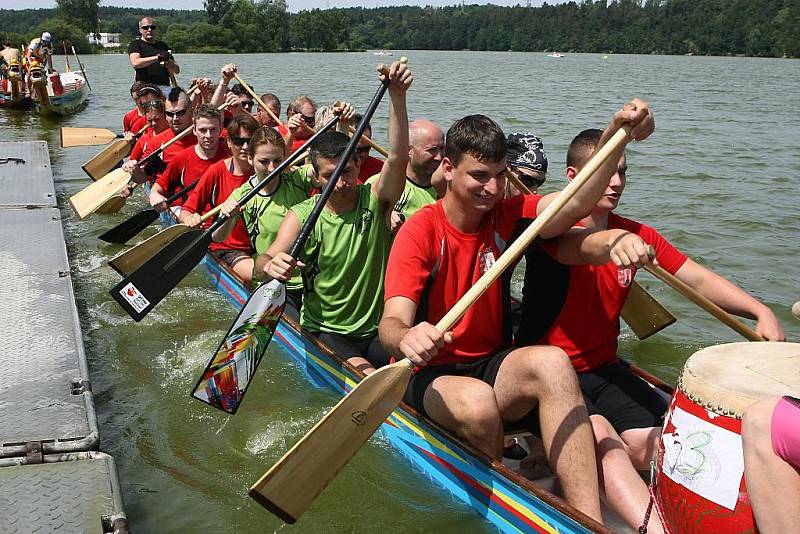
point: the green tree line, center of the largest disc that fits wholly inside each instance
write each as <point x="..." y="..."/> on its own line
<point x="710" y="27"/>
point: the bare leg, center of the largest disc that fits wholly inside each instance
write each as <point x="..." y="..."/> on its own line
<point x="626" y="492"/>
<point x="641" y="444"/>
<point x="243" y="267"/>
<point x="545" y="374"/>
<point x="773" y="484"/>
<point x="361" y="364"/>
<point x="468" y="407"/>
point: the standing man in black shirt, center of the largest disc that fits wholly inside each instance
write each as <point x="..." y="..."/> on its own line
<point x="152" y="59"/>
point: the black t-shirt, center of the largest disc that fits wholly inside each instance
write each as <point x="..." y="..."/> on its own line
<point x="156" y="72"/>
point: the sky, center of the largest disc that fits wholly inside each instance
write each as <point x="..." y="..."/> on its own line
<point x="294" y="5"/>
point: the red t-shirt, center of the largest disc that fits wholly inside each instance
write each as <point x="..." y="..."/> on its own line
<point x="369" y="168"/>
<point x="296" y="143"/>
<point x="132" y="121"/>
<point x="171" y="151"/>
<point x="428" y="250"/>
<point x="577" y="307"/>
<point x="214" y="188"/>
<point x="186" y="168"/>
<point x="140" y="147"/>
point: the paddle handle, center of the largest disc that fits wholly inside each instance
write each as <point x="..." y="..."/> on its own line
<point x="690" y="293"/>
<point x="516" y="182"/>
<point x="307" y="228"/>
<point x="80" y="65"/>
<point x="172" y="81"/>
<point x="210" y="213"/>
<point x="526" y="238"/>
<point x="180" y="193"/>
<point x="257" y="98"/>
<point x="383" y="152"/>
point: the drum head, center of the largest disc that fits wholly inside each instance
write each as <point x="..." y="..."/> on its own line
<point x="728" y="378"/>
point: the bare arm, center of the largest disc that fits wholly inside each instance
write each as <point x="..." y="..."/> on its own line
<point x="731" y="298"/>
<point x="389" y="186"/>
<point x="638" y="116"/>
<point x="139" y="62"/>
<point x="276" y="262"/>
<point x="582" y="246"/>
<point x="222" y="88"/>
<point x="418" y="343"/>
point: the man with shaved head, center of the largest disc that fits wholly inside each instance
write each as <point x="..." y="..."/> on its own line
<point x="425" y="150"/>
<point x="150" y="58"/>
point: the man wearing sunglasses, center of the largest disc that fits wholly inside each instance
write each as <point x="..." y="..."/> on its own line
<point x="151" y="59"/>
<point x="178" y="110"/>
<point x="299" y="122"/>
<point x="527" y="161"/>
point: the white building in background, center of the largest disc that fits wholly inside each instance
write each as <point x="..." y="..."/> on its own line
<point x="106" y="40"/>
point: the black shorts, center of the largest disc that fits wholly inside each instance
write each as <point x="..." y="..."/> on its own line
<point x="484" y="369"/>
<point x="229" y="256"/>
<point x="347" y="347"/>
<point x="623" y="398"/>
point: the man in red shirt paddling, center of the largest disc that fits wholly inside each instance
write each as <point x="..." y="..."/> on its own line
<point x="470" y="379"/>
<point x="215" y="186"/>
<point x="190" y="164"/>
<point x="577" y="308"/>
<point x="300" y="120"/>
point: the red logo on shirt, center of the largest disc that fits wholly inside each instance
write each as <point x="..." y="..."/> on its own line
<point x="487" y="259"/>
<point x="624" y="277"/>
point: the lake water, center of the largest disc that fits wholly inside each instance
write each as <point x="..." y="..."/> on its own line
<point x="718" y="178"/>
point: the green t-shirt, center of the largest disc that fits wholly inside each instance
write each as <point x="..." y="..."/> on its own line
<point x="414" y="197"/>
<point x="263" y="213"/>
<point x="345" y="258"/>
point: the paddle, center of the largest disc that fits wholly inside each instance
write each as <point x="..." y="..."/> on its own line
<point x="382" y="151"/>
<point x="149" y="284"/>
<point x="133" y="225"/>
<point x="642" y="312"/>
<point x="71" y="137"/>
<point x="292" y="484"/>
<point x="230" y="370"/>
<point x="67" y="66"/>
<point x="83" y="72"/>
<point x="115" y="203"/>
<point x="690" y="293"/>
<point x="260" y="102"/>
<point x="108" y="158"/>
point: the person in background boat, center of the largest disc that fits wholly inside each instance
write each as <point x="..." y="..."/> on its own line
<point x="150" y="58"/>
<point x="41" y="50"/>
<point x="470" y="379"/>
<point x="190" y="164"/>
<point x="771" y="444"/>
<point x="527" y="160"/>
<point x="216" y="185"/>
<point x="300" y="120"/>
<point x="274" y="104"/>
<point x="263" y="214"/>
<point x="9" y="55"/>
<point x="577" y="308"/>
<point x="344" y="259"/>
<point x="178" y="110"/>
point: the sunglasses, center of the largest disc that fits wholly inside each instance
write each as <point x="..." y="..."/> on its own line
<point x="533" y="182"/>
<point x="148" y="27"/>
<point x="363" y="149"/>
<point x="309" y="120"/>
<point x="246" y="105"/>
<point x="178" y="113"/>
<point x="238" y="141"/>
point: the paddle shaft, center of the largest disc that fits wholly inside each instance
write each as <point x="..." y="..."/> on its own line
<point x="383" y="152"/>
<point x="690" y="293"/>
<point x="305" y="232"/>
<point x="257" y="98"/>
<point x="80" y="65"/>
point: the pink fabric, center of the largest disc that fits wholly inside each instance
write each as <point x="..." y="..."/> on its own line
<point x="786" y="431"/>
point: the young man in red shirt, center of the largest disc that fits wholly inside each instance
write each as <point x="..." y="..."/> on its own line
<point x="215" y="186"/>
<point x="189" y="165"/>
<point x="178" y="109"/>
<point x="577" y="308"/>
<point x="470" y="379"/>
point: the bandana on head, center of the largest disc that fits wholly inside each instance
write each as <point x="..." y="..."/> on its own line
<point x="526" y="150"/>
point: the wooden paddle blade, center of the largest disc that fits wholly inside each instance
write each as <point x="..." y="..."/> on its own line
<point x="292" y="484"/>
<point x="86" y="136"/>
<point x="104" y="162"/>
<point x="644" y="314"/>
<point x="140" y="292"/>
<point x="128" y="228"/>
<point x="88" y="200"/>
<point x="133" y="258"/>
<point x="229" y="372"/>
<point x="112" y="205"/>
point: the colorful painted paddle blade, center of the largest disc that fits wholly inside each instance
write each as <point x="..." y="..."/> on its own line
<point x="128" y="228"/>
<point x="229" y="372"/>
<point x="140" y="292"/>
<point x="292" y="484"/>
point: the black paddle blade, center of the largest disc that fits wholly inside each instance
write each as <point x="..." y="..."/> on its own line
<point x="130" y="227"/>
<point x="230" y="371"/>
<point x="150" y="283"/>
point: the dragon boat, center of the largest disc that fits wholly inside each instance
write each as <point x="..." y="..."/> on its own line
<point x="497" y="492"/>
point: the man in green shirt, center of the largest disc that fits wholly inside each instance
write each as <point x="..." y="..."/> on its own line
<point x="344" y="259"/>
